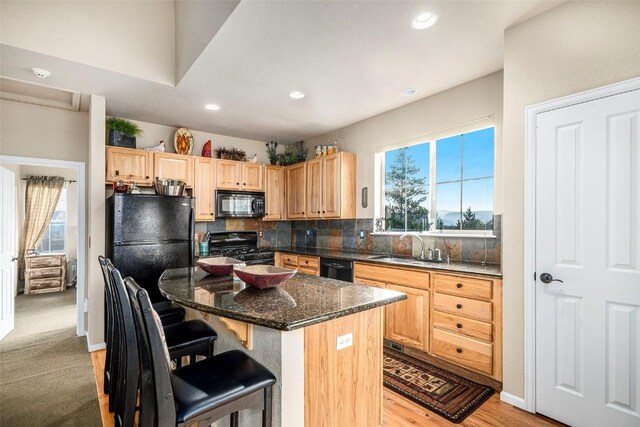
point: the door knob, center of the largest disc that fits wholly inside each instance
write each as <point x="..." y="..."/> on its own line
<point x="548" y="278"/>
<point x="14" y="258"/>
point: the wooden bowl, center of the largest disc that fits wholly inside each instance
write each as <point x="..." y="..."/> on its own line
<point x="219" y="266"/>
<point x="264" y="276"/>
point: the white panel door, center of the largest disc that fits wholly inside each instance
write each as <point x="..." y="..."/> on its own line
<point x="7" y="250"/>
<point x="588" y="236"/>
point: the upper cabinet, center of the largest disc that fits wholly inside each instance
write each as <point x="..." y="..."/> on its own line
<point x="129" y="165"/>
<point x="204" y="184"/>
<point x="331" y="186"/>
<point x="173" y="166"/>
<point x="234" y="175"/>
<point x="296" y="190"/>
<point x="274" y="190"/>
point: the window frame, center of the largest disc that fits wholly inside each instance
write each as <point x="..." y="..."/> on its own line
<point x="379" y="205"/>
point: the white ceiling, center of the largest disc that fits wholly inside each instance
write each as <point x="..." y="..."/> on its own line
<point x="351" y="58"/>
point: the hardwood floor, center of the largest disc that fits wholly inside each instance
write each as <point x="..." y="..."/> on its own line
<point x="397" y="411"/>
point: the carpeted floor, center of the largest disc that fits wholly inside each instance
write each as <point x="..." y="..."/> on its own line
<point x="46" y="375"/>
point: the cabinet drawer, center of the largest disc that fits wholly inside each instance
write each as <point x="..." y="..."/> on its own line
<point x="395" y="275"/>
<point x="290" y="261"/>
<point x="41" y="284"/>
<point x="49" y="272"/>
<point x="310" y="271"/>
<point x="462" y="325"/>
<point x="480" y="310"/>
<point x="464" y="351"/>
<point x="39" y="262"/>
<point x="463" y="286"/>
<point x="308" y="262"/>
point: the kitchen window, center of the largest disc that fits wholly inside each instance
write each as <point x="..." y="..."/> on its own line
<point x="54" y="236"/>
<point x="443" y="185"/>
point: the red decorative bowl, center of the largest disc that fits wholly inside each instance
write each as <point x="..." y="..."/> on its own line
<point x="219" y="266"/>
<point x="264" y="276"/>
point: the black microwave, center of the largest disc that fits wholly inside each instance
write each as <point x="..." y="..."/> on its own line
<point x="239" y="204"/>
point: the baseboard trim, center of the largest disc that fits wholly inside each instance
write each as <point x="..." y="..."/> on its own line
<point x="96" y="347"/>
<point x="514" y="400"/>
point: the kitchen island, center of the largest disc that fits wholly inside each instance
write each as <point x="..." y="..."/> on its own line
<point x="321" y="338"/>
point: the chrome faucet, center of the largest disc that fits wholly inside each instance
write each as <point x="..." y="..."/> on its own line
<point x="421" y="242"/>
<point x="438" y="255"/>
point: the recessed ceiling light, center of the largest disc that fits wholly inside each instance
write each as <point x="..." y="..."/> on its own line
<point x="41" y="73"/>
<point x="296" y="94"/>
<point x="424" y="20"/>
<point x="408" y="92"/>
<point x="212" y="107"/>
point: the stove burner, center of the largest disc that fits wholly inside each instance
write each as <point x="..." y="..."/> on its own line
<point x="240" y="245"/>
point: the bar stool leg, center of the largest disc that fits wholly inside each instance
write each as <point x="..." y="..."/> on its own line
<point x="268" y="407"/>
<point x="192" y="359"/>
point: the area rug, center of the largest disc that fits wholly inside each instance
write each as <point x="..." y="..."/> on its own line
<point x="448" y="395"/>
<point x="46" y="375"/>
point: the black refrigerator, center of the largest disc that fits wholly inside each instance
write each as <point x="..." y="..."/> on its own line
<point x="147" y="234"/>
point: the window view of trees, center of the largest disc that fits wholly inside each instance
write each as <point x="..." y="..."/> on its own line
<point x="406" y="193"/>
<point x="463" y="184"/>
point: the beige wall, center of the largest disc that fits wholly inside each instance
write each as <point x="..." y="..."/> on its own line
<point x="129" y="37"/>
<point x="449" y="109"/>
<point x="574" y="47"/>
<point x="153" y="133"/>
<point x="42" y="132"/>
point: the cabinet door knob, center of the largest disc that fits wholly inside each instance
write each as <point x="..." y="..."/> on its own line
<point x="458" y="306"/>
<point x="306" y="262"/>
<point x="459" y="325"/>
<point x="459" y="350"/>
<point x="244" y="183"/>
<point x="157" y="177"/>
<point x="322" y="211"/>
<point x="459" y="285"/>
<point x="146" y="177"/>
<point x="237" y="183"/>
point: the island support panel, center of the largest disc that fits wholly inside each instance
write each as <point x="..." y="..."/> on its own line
<point x="344" y="387"/>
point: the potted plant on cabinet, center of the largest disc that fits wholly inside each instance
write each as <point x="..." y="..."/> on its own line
<point x="122" y="132"/>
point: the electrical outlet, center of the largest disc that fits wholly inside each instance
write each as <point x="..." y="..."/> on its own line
<point x="344" y="341"/>
<point x="361" y="234"/>
<point x="308" y="232"/>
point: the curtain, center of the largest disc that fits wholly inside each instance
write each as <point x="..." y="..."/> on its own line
<point x="41" y="199"/>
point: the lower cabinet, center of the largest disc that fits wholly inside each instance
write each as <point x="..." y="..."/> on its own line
<point x="303" y="263"/>
<point x="407" y="321"/>
<point x="457" y="318"/>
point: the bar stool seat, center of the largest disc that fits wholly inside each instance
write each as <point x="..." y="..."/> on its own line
<point x="170" y="313"/>
<point x="215" y="382"/>
<point x="190" y="338"/>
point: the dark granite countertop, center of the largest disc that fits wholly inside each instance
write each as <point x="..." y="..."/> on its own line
<point x="453" y="267"/>
<point x="301" y="301"/>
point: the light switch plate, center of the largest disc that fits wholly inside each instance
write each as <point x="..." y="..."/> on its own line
<point x="344" y="341"/>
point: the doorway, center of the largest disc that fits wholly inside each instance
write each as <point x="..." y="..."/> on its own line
<point x="582" y="296"/>
<point x="73" y="242"/>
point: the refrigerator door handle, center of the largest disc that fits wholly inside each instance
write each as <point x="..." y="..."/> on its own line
<point x="191" y="236"/>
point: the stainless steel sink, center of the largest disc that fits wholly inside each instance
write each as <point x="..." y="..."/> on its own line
<point x="403" y="260"/>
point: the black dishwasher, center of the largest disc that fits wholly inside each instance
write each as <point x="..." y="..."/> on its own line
<point x="336" y="269"/>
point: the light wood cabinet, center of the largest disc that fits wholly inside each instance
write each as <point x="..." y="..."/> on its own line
<point x="274" y="191"/>
<point x="296" y="190"/>
<point x="204" y="188"/>
<point x="406" y="322"/>
<point x="128" y="165"/>
<point x="235" y="175"/>
<point x="457" y="318"/>
<point x="173" y="166"/>
<point x="303" y="263"/>
<point x="331" y="186"/>
<point x="467" y="322"/>
<point x="45" y="273"/>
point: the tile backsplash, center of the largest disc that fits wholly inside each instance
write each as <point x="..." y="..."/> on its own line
<point x="357" y="235"/>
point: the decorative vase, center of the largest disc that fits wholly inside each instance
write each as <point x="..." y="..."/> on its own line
<point x="206" y="150"/>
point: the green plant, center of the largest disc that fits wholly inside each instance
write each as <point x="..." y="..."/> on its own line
<point x="124" y="126"/>
<point x="272" y="151"/>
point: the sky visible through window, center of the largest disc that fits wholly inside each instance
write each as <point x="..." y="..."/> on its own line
<point x="463" y="184"/>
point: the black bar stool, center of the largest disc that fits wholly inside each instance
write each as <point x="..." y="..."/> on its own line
<point x="190" y="338"/>
<point x="201" y="392"/>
